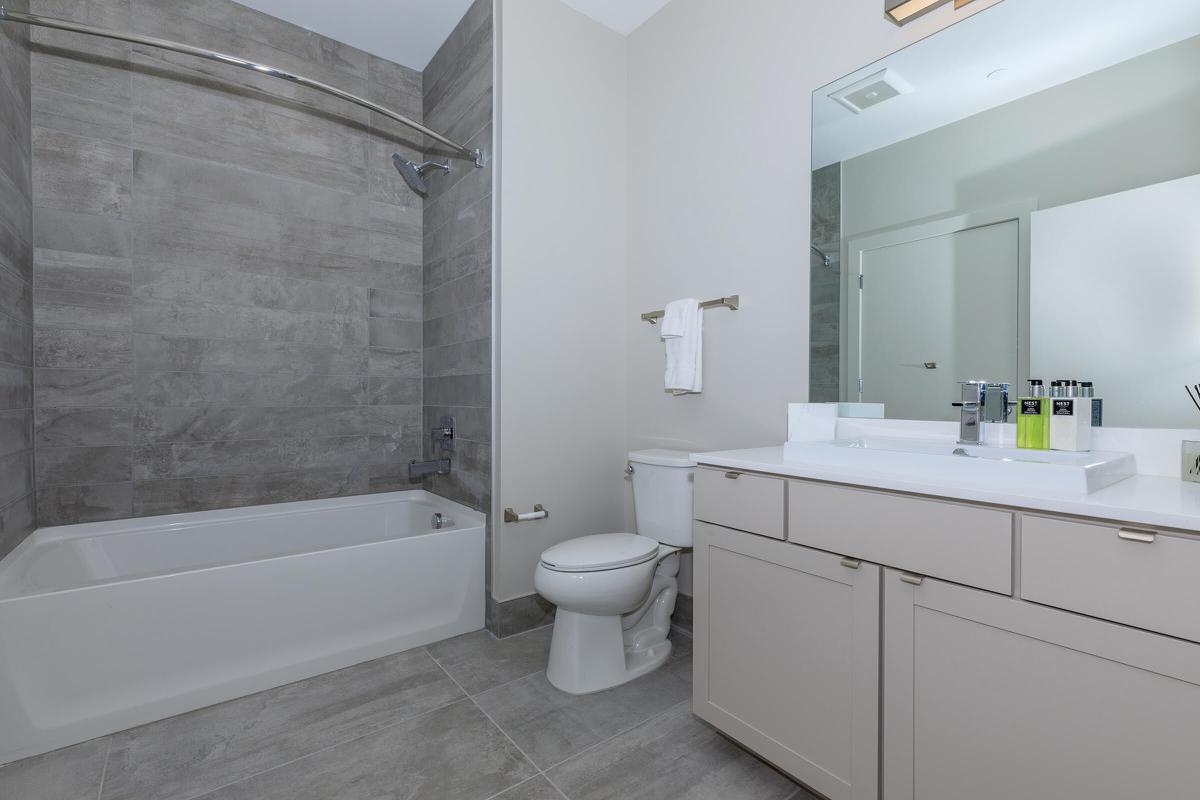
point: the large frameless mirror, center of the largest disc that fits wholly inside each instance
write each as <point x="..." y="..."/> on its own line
<point x="1016" y="196"/>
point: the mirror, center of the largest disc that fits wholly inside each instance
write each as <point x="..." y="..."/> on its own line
<point x="1016" y="196"/>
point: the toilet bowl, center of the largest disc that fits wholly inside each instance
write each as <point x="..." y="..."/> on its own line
<point x="616" y="592"/>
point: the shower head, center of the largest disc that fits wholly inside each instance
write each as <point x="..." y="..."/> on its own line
<point x="414" y="173"/>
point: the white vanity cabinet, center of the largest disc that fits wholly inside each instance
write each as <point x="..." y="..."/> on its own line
<point x="990" y="698"/>
<point x="1021" y="655"/>
<point x="787" y="656"/>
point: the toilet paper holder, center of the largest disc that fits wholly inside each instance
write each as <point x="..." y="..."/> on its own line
<point x="539" y="512"/>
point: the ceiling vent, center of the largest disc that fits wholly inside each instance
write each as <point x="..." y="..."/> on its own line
<point x="872" y="90"/>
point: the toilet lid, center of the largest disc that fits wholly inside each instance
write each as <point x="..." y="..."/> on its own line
<point x="601" y="551"/>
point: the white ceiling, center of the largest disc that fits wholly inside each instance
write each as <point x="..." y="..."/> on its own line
<point x="408" y="32"/>
<point x="623" y="16"/>
<point x="1039" y="44"/>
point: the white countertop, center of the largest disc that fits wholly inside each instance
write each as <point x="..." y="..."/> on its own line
<point x="1141" y="500"/>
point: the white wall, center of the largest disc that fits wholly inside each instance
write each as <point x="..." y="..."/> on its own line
<point x="719" y="119"/>
<point x="562" y="267"/>
<point x="674" y="163"/>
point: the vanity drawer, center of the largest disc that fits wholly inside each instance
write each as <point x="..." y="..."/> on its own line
<point x="959" y="543"/>
<point x="741" y="500"/>
<point x="1129" y="575"/>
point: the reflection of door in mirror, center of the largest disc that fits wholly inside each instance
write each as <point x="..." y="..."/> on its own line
<point x="935" y="310"/>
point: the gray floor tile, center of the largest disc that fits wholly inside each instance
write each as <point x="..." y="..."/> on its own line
<point x="550" y="725"/>
<point x="537" y="788"/>
<point x="193" y="753"/>
<point x="73" y="773"/>
<point x="453" y="753"/>
<point x="480" y="661"/>
<point x="674" y="756"/>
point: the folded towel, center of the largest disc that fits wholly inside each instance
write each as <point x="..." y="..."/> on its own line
<point x="682" y="331"/>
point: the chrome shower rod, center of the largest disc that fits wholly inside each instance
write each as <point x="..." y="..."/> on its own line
<point x="7" y="15"/>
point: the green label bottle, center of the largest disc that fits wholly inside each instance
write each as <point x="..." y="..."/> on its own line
<point x="1033" y="418"/>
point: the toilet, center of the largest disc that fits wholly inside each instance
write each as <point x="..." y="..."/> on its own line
<point x="615" y="592"/>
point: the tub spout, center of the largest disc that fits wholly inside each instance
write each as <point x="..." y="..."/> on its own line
<point x="419" y="469"/>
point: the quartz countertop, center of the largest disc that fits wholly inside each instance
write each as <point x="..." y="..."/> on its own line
<point x="1144" y="500"/>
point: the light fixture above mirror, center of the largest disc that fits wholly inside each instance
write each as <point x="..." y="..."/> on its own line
<point x="902" y="12"/>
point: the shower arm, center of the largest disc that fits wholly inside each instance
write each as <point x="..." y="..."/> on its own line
<point x="7" y="15"/>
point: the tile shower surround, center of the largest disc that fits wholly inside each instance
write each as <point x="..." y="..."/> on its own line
<point x="16" y="293"/>
<point x="229" y="294"/>
<point x="457" y="259"/>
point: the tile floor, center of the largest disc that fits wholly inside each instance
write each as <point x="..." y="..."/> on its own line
<point x="469" y="718"/>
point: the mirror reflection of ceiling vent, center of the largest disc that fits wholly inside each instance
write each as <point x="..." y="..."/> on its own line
<point x="872" y="90"/>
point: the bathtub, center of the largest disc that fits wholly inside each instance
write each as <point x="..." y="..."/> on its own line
<point x="105" y="626"/>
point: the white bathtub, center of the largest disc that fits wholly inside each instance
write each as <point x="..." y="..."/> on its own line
<point x="109" y="625"/>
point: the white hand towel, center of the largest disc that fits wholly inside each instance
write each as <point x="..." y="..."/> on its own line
<point x="682" y="329"/>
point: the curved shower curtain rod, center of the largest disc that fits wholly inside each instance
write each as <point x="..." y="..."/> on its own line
<point x="7" y="15"/>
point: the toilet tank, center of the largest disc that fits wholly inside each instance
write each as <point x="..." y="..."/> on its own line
<point x="662" y="495"/>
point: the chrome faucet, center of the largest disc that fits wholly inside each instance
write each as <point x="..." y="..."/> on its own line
<point x="981" y="402"/>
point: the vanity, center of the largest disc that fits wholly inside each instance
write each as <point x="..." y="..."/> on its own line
<point x="878" y="642"/>
<point x="910" y="606"/>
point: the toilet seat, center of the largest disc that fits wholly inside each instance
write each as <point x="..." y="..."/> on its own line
<point x="601" y="551"/>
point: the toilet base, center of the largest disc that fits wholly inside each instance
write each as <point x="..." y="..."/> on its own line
<point x="588" y="654"/>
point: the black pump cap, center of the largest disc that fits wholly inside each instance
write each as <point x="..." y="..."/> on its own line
<point x="1086" y="383"/>
<point x="1035" y="382"/>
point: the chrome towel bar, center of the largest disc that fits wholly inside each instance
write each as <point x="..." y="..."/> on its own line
<point x="730" y="302"/>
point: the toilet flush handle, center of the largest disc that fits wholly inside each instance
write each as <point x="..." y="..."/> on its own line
<point x="629" y="469"/>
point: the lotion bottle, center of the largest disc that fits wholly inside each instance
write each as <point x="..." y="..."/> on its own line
<point x="1071" y="423"/>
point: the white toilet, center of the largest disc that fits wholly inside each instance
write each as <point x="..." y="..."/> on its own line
<point x="615" y="591"/>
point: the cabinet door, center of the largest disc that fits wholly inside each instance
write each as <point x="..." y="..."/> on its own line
<point x="787" y="657"/>
<point x="990" y="698"/>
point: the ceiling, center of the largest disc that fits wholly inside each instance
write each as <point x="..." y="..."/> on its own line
<point x="623" y="16"/>
<point x="1038" y="44"/>
<point x="408" y="32"/>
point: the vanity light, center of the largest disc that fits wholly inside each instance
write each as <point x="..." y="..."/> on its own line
<point x="902" y="12"/>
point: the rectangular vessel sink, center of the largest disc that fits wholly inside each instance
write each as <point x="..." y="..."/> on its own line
<point x="985" y="466"/>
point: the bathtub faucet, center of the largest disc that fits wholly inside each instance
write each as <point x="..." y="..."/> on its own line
<point x="419" y="469"/>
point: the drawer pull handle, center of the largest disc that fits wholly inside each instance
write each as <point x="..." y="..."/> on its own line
<point x="915" y="580"/>
<point x="733" y="476"/>
<point x="1137" y="536"/>
<point x="852" y="563"/>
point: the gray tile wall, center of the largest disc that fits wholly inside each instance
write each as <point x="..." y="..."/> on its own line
<point x="457" y="258"/>
<point x="16" y="293"/>
<point x="227" y="268"/>
<point x="825" y="286"/>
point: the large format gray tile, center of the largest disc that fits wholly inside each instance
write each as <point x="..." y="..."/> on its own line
<point x="16" y="522"/>
<point x="178" y="495"/>
<point x="536" y="788"/>
<point x="73" y="773"/>
<point x="674" y="756"/>
<point x="550" y="725"/>
<point x="188" y="755"/>
<point x="480" y="661"/>
<point x="66" y="505"/>
<point x="453" y="753"/>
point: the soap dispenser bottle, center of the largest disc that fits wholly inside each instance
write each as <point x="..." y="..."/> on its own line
<point x="1033" y="418"/>
<point x="1071" y="420"/>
